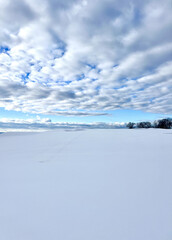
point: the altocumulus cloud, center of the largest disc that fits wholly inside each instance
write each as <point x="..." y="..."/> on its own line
<point x="89" y="56"/>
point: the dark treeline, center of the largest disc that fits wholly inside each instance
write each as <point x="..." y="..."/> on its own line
<point x="163" y="123"/>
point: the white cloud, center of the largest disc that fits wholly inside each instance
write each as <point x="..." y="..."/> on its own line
<point x="85" y="55"/>
<point x="46" y="124"/>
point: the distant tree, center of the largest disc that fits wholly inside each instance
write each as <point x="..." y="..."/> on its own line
<point x="144" y="125"/>
<point x="140" y="125"/>
<point x="163" y="123"/>
<point x="155" y="124"/>
<point x="148" y="125"/>
<point x="130" y="125"/>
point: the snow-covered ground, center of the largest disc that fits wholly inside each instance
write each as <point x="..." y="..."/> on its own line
<point x="86" y="185"/>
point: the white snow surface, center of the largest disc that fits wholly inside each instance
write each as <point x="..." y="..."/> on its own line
<point x="86" y="185"/>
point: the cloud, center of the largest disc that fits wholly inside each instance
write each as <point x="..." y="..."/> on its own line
<point x="77" y="113"/>
<point x="81" y="57"/>
<point x="8" y="125"/>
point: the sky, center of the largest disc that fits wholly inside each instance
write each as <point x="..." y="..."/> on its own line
<point x="101" y="61"/>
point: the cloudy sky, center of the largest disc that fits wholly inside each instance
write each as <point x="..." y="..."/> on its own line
<point x="101" y="60"/>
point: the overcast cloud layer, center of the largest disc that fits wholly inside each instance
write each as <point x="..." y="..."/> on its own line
<point x="85" y="55"/>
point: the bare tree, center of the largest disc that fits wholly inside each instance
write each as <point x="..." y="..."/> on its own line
<point x="130" y="125"/>
<point x="144" y="125"/>
<point x="163" y="123"/>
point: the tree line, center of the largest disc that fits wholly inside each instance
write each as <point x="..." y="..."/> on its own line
<point x="162" y="123"/>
